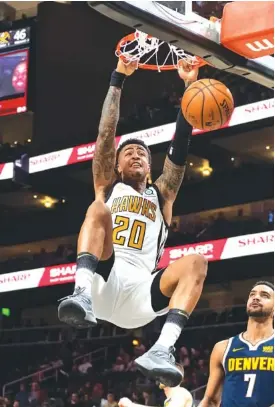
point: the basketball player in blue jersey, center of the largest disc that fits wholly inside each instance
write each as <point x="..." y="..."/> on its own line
<point x="123" y="236"/>
<point x="242" y="367"/>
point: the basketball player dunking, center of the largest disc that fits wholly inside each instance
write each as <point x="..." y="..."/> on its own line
<point x="242" y="367"/>
<point x="123" y="236"/>
<point x="175" y="397"/>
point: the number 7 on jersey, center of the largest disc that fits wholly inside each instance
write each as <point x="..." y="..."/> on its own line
<point x="251" y="379"/>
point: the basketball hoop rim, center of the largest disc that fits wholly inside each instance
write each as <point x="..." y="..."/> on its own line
<point x="152" y="67"/>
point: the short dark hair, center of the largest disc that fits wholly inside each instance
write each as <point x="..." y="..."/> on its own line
<point x="133" y="141"/>
<point x="267" y="283"/>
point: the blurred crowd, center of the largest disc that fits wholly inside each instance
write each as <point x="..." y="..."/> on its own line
<point x="23" y="330"/>
<point x="218" y="227"/>
<point x="87" y="382"/>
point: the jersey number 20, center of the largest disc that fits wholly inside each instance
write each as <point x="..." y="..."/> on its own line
<point x="136" y="235"/>
<point x="251" y="379"/>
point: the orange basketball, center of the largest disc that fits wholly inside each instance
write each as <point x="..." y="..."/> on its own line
<point x="207" y="104"/>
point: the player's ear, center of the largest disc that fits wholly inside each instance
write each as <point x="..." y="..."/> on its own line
<point x="149" y="178"/>
<point x="118" y="168"/>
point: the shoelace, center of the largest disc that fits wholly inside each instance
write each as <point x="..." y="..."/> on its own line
<point x="172" y="351"/>
<point x="78" y="291"/>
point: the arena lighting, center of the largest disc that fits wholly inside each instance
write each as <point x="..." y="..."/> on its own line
<point x="35" y="196"/>
<point x="191" y="164"/>
<point x="29" y="140"/>
<point x="48" y="204"/>
<point x="267" y="147"/>
<point x="232" y="159"/>
<point x="206" y="172"/>
<point x="6" y="312"/>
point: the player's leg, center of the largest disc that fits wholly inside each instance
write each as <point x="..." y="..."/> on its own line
<point x="94" y="250"/>
<point x="182" y="282"/>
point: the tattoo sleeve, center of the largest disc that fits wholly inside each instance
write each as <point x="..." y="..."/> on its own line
<point x="170" y="180"/>
<point x="105" y="150"/>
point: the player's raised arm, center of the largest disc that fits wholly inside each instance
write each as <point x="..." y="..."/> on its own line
<point x="105" y="151"/>
<point x="213" y="393"/>
<point x="174" y="166"/>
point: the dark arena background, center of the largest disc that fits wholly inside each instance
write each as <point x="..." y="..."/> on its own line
<point x="55" y="64"/>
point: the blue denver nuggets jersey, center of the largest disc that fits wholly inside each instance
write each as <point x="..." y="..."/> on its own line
<point x="249" y="373"/>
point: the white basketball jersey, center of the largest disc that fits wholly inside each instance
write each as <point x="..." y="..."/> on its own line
<point x="139" y="229"/>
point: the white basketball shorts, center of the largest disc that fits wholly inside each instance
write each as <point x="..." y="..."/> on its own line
<point x="127" y="296"/>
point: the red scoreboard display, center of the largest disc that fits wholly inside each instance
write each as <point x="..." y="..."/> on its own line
<point x="14" y="64"/>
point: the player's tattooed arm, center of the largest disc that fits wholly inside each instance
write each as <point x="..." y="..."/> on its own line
<point x="170" y="180"/>
<point x="175" y="163"/>
<point x="105" y="151"/>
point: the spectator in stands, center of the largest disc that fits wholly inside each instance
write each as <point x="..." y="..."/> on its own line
<point x="85" y="366"/>
<point x="186" y="361"/>
<point x="183" y="352"/>
<point x="88" y="390"/>
<point x="37" y="396"/>
<point x="87" y="402"/>
<point x="139" y="350"/>
<point x="149" y="398"/>
<point x="4" y="402"/>
<point x="60" y="254"/>
<point x="110" y="402"/>
<point x="119" y="365"/>
<point x="74" y="400"/>
<point x="136" y="398"/>
<point x="22" y="396"/>
<point x="202" y="371"/>
<point x="97" y="395"/>
<point x="131" y="366"/>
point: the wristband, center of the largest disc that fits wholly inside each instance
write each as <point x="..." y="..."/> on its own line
<point x="117" y="79"/>
<point x="179" y="146"/>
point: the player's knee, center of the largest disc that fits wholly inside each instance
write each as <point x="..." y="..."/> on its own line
<point x="198" y="266"/>
<point x="98" y="210"/>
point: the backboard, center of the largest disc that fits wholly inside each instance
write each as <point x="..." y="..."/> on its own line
<point x="180" y="23"/>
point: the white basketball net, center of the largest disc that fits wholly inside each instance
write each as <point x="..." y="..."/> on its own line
<point x="133" y="50"/>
